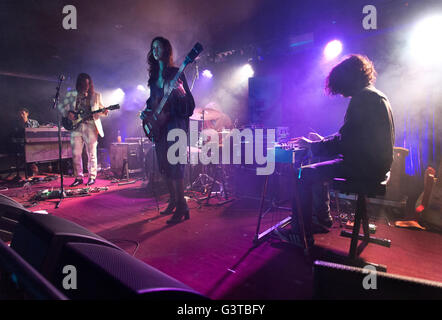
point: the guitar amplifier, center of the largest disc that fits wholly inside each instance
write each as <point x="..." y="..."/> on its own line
<point x="131" y="153"/>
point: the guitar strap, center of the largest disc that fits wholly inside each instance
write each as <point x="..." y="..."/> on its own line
<point x="82" y="103"/>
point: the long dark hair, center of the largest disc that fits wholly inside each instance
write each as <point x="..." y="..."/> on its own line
<point x="355" y="72"/>
<point x="80" y="80"/>
<point x="154" y="66"/>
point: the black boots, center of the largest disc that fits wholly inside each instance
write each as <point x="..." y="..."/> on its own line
<point x="177" y="200"/>
<point x="181" y="214"/>
<point x="170" y="207"/>
<point x="172" y="199"/>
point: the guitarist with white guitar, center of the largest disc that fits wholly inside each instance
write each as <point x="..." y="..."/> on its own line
<point x="175" y="114"/>
<point x="85" y="100"/>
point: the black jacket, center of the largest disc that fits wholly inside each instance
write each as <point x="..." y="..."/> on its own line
<point x="366" y="139"/>
<point x="181" y="108"/>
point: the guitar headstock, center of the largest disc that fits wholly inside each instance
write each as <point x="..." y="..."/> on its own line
<point x="196" y="50"/>
<point x="113" y="107"/>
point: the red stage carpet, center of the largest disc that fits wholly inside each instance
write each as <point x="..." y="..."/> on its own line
<point x="213" y="251"/>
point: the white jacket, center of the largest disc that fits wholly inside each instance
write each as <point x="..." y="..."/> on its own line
<point x="97" y="103"/>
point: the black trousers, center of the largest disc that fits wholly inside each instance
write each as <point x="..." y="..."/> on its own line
<point x="311" y="186"/>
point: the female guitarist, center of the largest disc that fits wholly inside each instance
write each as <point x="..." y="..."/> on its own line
<point x="177" y="111"/>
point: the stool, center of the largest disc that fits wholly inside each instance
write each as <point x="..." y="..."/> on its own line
<point x="362" y="189"/>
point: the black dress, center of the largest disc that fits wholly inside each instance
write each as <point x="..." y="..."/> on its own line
<point x="181" y="108"/>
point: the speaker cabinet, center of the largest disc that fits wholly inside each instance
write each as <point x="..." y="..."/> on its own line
<point x="132" y="153"/>
<point x="103" y="272"/>
<point x="341" y="282"/>
<point x="40" y="238"/>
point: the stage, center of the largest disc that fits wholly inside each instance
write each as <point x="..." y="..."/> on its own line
<point x="213" y="251"/>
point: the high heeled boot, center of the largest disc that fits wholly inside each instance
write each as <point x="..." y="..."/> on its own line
<point x="182" y="210"/>
<point x="181" y="214"/>
<point x="172" y="200"/>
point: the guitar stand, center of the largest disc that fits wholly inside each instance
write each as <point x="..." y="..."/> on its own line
<point x="203" y="181"/>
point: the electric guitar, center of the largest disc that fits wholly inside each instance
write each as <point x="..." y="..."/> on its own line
<point x="429" y="203"/>
<point x="80" y="116"/>
<point x="153" y="116"/>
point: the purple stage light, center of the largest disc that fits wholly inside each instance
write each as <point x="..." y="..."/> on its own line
<point x="332" y="49"/>
<point x="207" y="74"/>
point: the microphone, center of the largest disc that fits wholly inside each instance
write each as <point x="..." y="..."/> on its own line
<point x="197" y="71"/>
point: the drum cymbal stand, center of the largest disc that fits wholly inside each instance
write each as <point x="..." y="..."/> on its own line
<point x="203" y="181"/>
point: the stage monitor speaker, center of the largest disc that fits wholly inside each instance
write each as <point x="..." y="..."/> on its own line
<point x="106" y="273"/>
<point x="20" y="281"/>
<point x="340" y="282"/>
<point x="10" y="212"/>
<point x="40" y="238"/>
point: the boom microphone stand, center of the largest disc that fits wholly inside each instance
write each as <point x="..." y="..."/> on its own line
<point x="54" y="106"/>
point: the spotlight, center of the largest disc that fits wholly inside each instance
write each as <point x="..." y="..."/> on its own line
<point x="332" y="49"/>
<point x="141" y="87"/>
<point x="207" y="74"/>
<point x="246" y="71"/>
<point x="117" y="96"/>
<point x="425" y="44"/>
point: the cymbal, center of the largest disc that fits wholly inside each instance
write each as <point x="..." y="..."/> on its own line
<point x="209" y="114"/>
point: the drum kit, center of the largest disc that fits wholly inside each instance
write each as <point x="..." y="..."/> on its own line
<point x="209" y="118"/>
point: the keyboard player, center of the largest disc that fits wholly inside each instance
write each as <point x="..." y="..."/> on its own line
<point x="361" y="150"/>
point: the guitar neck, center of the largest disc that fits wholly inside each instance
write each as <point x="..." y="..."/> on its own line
<point x="99" y="110"/>
<point x="172" y="84"/>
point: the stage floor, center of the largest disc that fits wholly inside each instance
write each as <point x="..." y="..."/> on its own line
<point x="213" y="252"/>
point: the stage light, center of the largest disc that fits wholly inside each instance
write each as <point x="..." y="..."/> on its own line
<point x="117" y="96"/>
<point x="425" y="44"/>
<point x="246" y="72"/>
<point x="207" y="74"/>
<point x="141" y="87"/>
<point x="332" y="49"/>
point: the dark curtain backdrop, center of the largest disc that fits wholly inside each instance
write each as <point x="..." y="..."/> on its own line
<point x="421" y="134"/>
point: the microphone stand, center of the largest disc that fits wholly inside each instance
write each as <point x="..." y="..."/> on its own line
<point x="54" y="106"/>
<point x="188" y="189"/>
